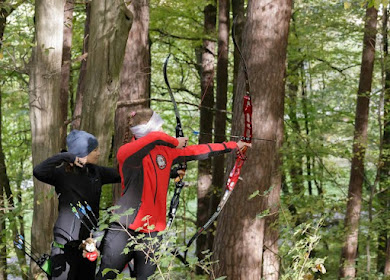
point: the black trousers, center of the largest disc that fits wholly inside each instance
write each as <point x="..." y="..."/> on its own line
<point x="68" y="263"/>
<point x="114" y="241"/>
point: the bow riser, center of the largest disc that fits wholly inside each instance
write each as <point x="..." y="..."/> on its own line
<point x="247" y="108"/>
<point x="179" y="129"/>
<point x="235" y="173"/>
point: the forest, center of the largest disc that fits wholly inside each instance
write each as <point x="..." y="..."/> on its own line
<point x="306" y="82"/>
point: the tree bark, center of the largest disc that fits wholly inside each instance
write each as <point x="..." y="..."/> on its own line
<point x="77" y="108"/>
<point x="386" y="270"/>
<point x="239" y="17"/>
<point x="220" y="113"/>
<point x="135" y="75"/>
<point x="65" y="70"/>
<point x="206" y="126"/>
<point x="110" y="23"/>
<point x="44" y="87"/>
<point x="239" y="242"/>
<point x="348" y="254"/>
<point x="3" y="20"/>
<point x="271" y="260"/>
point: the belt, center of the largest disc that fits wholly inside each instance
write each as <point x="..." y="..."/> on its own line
<point x="58" y="245"/>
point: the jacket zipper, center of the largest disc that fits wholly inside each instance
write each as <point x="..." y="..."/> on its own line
<point x="155" y="172"/>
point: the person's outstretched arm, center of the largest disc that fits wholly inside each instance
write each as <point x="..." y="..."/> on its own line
<point x="203" y="151"/>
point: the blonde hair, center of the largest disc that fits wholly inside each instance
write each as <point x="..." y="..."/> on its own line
<point x="141" y="116"/>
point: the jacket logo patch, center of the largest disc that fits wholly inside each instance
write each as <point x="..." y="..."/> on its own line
<point x="161" y="161"/>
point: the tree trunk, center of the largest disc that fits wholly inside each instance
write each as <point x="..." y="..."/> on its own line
<point x="65" y="70"/>
<point x="135" y="75"/>
<point x="44" y="87"/>
<point x="239" y="17"/>
<point x="4" y="13"/>
<point x="271" y="261"/>
<point x="107" y="42"/>
<point x="206" y="126"/>
<point x="386" y="270"/>
<point x="220" y="113"/>
<point x="76" y="109"/>
<point x="348" y="254"/>
<point x="240" y="237"/>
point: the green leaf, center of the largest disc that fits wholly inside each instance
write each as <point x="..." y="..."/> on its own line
<point x="128" y="212"/>
<point x="107" y="270"/>
<point x="254" y="194"/>
<point x="126" y="250"/>
<point x="347" y="5"/>
<point x="263" y="214"/>
<point x="112" y="208"/>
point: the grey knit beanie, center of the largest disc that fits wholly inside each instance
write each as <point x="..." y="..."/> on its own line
<point x="81" y="143"/>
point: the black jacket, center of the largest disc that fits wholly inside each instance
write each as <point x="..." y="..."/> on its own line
<point x="73" y="185"/>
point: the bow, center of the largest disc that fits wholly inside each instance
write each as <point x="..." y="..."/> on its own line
<point x="179" y="184"/>
<point x="43" y="261"/>
<point x="240" y="156"/>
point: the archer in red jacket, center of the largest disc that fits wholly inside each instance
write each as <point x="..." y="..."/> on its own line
<point x="144" y="167"/>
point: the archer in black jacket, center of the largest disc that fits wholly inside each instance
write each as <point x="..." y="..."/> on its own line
<point x="77" y="179"/>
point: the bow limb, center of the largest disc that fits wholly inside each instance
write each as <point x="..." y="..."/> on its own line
<point x="179" y="128"/>
<point x="179" y="184"/>
<point x="240" y="156"/>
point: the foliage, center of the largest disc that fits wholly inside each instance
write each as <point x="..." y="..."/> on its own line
<point x="16" y="136"/>
<point x="324" y="56"/>
<point x="162" y="250"/>
<point x="302" y="264"/>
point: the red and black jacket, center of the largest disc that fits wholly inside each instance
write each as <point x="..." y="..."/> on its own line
<point x="144" y="167"/>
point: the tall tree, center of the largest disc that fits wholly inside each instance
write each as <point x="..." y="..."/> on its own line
<point x="239" y="242"/>
<point x="206" y="123"/>
<point x="65" y="70"/>
<point x="110" y="23"/>
<point x="45" y="87"/>
<point x="220" y="106"/>
<point x="135" y="75"/>
<point x="349" y="250"/>
<point x="238" y="10"/>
